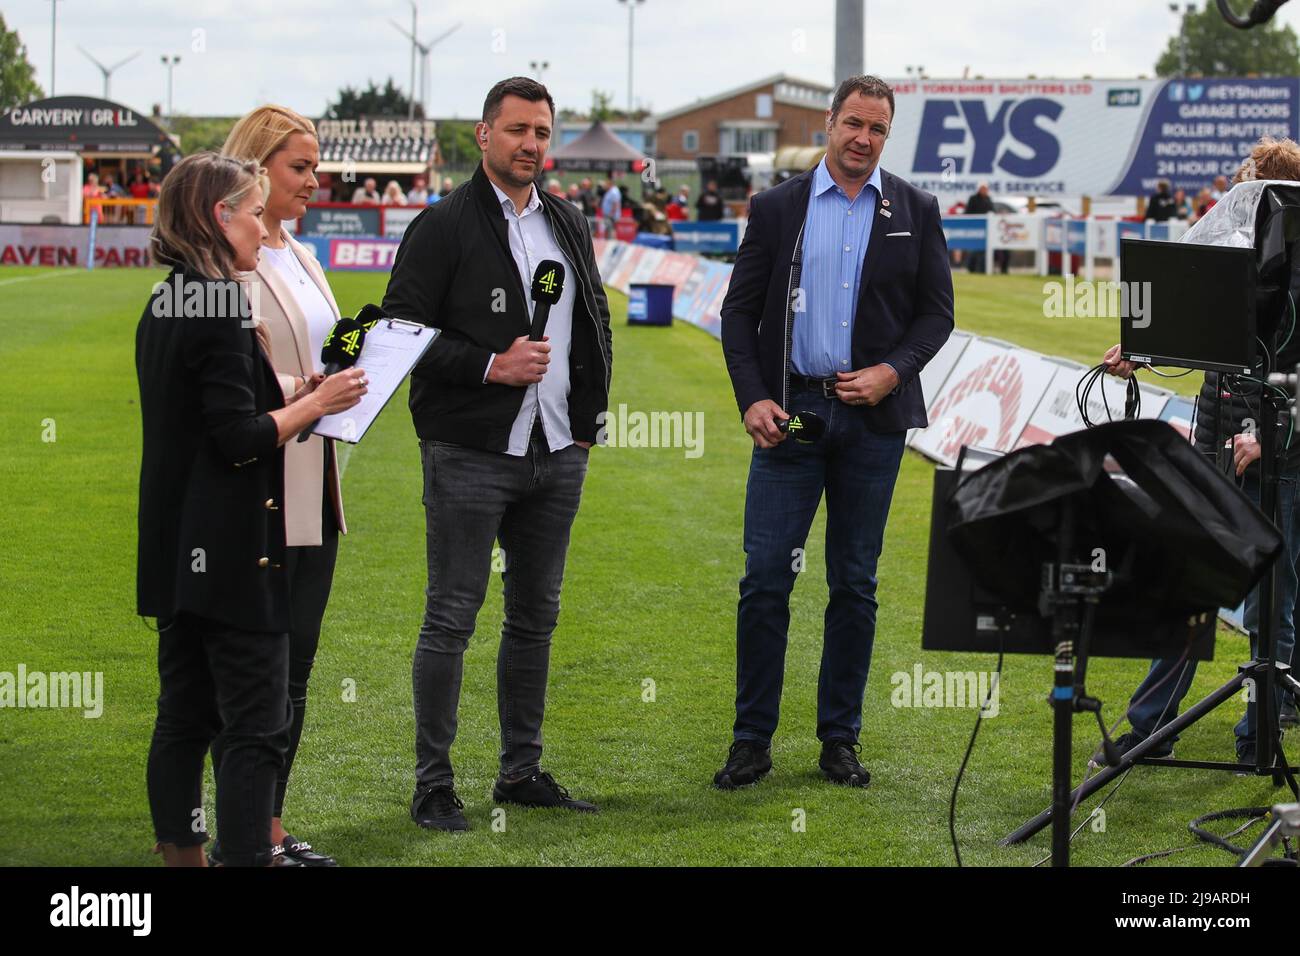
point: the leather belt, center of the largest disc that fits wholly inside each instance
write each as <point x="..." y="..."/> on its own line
<point x="824" y="385"/>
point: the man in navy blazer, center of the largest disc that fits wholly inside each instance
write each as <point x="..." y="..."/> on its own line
<point x="840" y="294"/>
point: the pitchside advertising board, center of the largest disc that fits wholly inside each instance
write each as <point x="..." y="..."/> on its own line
<point x="986" y="400"/>
<point x="1058" y="410"/>
<point x="23" y="244"/>
<point x="353" y="255"/>
<point x="1081" y="137"/>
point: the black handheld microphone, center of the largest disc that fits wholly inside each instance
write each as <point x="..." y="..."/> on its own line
<point x="548" y="285"/>
<point x="341" y="349"/>
<point x="804" y="427"/>
<point x="369" y="316"/>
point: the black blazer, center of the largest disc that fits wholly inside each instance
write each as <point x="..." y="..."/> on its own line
<point x="454" y="271"/>
<point x="904" y="312"/>
<point x="211" y="524"/>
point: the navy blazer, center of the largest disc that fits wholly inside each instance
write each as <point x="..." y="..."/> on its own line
<point x="904" y="311"/>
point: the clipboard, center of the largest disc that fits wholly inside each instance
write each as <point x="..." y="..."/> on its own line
<point x="390" y="351"/>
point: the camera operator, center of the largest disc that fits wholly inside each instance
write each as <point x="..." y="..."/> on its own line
<point x="1227" y="416"/>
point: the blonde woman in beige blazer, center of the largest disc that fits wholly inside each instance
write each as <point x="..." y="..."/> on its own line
<point x="293" y="303"/>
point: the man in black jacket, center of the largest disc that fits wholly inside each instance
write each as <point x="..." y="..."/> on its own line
<point x="505" y="425"/>
<point x="840" y="294"/>
<point x="980" y="203"/>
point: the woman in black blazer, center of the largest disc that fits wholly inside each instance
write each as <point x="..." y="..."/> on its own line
<point x="211" y="527"/>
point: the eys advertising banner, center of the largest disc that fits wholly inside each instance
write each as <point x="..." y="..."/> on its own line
<point x="1073" y="138"/>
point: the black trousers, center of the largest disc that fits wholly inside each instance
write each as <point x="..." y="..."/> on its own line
<point x="225" y="689"/>
<point x="311" y="575"/>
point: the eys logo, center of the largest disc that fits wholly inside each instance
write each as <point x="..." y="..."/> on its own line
<point x="1017" y="138"/>
<point x="1129" y="97"/>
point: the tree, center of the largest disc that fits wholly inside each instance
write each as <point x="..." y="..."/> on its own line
<point x="456" y="143"/>
<point x="601" y="110"/>
<point x="198" y="133"/>
<point x="372" y="101"/>
<point x="604" y="111"/>
<point x="1213" y="48"/>
<point x="17" y="75"/>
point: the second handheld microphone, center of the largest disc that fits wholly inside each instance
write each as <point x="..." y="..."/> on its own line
<point x="548" y="286"/>
<point x="341" y="350"/>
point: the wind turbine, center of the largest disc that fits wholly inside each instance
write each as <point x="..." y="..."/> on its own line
<point x="424" y="49"/>
<point x="107" y="70"/>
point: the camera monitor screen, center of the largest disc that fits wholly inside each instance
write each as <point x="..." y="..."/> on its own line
<point x="1188" y="305"/>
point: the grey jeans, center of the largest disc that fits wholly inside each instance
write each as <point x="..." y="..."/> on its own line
<point x="472" y="499"/>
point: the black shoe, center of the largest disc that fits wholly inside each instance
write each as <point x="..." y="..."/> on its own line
<point x="747" y="763"/>
<point x="1126" y="742"/>
<point x="1289" y="717"/>
<point x="839" y="763"/>
<point x="302" y="852"/>
<point x="539" y="790"/>
<point x="278" y="856"/>
<point x="1246" y="760"/>
<point x="438" y="808"/>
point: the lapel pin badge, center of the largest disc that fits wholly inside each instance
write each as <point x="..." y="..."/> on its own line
<point x="885" y="212"/>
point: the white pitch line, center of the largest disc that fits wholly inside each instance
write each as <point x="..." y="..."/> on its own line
<point x="47" y="275"/>
<point x="344" y="457"/>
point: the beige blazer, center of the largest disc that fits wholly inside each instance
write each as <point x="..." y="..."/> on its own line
<point x="275" y="306"/>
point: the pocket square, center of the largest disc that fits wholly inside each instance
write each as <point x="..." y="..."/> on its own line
<point x="890" y="235"/>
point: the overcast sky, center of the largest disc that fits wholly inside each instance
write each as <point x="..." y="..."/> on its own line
<point x="301" y="52"/>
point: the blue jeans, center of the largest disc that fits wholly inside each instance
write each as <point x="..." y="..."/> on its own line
<point x="1162" y="705"/>
<point x="856" y="468"/>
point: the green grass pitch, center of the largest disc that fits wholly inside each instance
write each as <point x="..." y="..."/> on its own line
<point x="650" y="596"/>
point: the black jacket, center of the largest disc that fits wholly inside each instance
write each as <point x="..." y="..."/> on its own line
<point x="1238" y="410"/>
<point x="211" y="528"/>
<point x="904" y="313"/>
<point x="452" y="269"/>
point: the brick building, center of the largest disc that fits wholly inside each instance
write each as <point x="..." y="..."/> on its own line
<point x="759" y="117"/>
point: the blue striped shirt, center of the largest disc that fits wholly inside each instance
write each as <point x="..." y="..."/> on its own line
<point x="835" y="240"/>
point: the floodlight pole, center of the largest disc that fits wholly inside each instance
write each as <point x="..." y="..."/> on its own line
<point x="54" y="29"/>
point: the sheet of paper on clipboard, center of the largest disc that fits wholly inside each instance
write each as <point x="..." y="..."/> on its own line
<point x="390" y="351"/>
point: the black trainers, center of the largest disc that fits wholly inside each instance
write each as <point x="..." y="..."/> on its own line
<point x="539" y="790"/>
<point x="301" y="851"/>
<point x="438" y="808"/>
<point x="747" y="763"/>
<point x="1126" y="742"/>
<point x="839" y="763"/>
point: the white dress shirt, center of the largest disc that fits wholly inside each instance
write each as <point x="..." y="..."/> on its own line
<point x="531" y="241"/>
